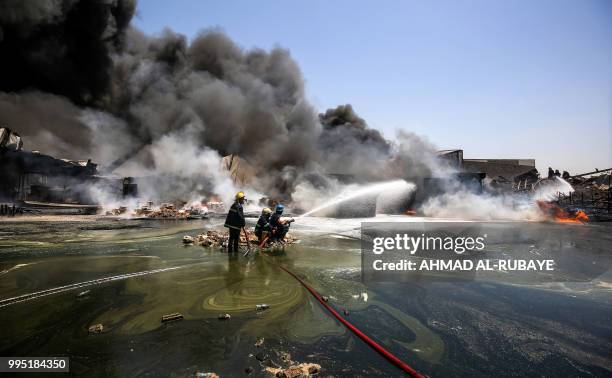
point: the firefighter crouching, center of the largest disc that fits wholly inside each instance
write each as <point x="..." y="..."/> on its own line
<point x="278" y="226"/>
<point x="262" y="228"/>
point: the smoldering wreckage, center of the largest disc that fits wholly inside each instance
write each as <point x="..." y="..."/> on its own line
<point x="36" y="183"/>
<point x="156" y="116"/>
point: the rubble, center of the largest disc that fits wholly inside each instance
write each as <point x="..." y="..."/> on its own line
<point x="96" y="328"/>
<point x="118" y="211"/>
<point x="168" y="210"/>
<point x="206" y="375"/>
<point x="216" y="207"/>
<point x="295" y="371"/>
<point x="165" y="211"/>
<point x="172" y="317"/>
<point x="209" y="239"/>
<point x="212" y="238"/>
<point x="592" y="195"/>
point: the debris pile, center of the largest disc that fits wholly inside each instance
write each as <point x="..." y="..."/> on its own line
<point x="206" y="375"/>
<point x="216" y="206"/>
<point x="118" y="211"/>
<point x="212" y="238"/>
<point x="164" y="211"/>
<point x="209" y="239"/>
<point x="302" y="370"/>
<point x="592" y="195"/>
<point x="167" y="210"/>
<point x="144" y="210"/>
<point x="96" y="328"/>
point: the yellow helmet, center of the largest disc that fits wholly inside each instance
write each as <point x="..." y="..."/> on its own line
<point x="266" y="211"/>
<point x="239" y="195"/>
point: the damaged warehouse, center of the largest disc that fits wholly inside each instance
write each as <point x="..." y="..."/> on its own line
<point x="35" y="181"/>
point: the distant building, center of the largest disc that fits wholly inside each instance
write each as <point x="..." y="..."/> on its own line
<point x="510" y="170"/>
<point x="30" y="175"/>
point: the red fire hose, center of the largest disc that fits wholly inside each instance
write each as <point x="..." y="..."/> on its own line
<point x="377" y="347"/>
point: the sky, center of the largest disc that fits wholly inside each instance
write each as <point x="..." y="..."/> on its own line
<point x="498" y="79"/>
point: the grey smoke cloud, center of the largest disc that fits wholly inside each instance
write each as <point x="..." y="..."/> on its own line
<point x="86" y="84"/>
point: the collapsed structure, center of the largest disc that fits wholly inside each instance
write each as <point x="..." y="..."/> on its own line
<point x="32" y="176"/>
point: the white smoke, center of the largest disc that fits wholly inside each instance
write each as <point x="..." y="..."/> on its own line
<point x="459" y="203"/>
<point x="467" y="205"/>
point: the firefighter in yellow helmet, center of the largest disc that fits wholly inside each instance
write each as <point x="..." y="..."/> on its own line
<point x="235" y="222"/>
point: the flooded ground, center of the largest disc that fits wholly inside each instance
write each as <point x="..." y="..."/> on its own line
<point x="130" y="273"/>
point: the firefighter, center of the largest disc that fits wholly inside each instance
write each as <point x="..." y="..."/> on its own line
<point x="262" y="228"/>
<point x="235" y="222"/>
<point x="278" y="226"/>
<point x="565" y="175"/>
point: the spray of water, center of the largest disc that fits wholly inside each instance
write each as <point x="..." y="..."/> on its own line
<point x="548" y="190"/>
<point x="352" y="192"/>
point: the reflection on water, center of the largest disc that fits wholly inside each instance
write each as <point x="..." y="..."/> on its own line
<point x="481" y="327"/>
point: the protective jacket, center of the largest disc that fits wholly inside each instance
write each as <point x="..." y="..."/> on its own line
<point x="275" y="220"/>
<point x="262" y="225"/>
<point x="235" y="216"/>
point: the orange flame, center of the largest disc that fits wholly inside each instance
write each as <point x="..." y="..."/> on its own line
<point x="560" y="215"/>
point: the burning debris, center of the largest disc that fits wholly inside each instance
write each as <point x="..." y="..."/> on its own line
<point x="558" y="214"/>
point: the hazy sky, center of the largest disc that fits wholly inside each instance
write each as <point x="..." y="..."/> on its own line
<point x="499" y="79"/>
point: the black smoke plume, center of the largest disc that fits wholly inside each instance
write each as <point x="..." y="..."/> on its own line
<point x="80" y="82"/>
<point x="61" y="46"/>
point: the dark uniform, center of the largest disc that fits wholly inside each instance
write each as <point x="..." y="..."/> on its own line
<point x="278" y="230"/>
<point x="262" y="226"/>
<point x="235" y="222"/>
